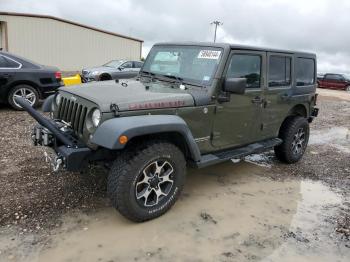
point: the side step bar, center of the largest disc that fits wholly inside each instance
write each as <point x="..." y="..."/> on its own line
<point x="215" y="158"/>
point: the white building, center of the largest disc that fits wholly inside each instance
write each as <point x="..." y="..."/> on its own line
<point x="68" y="45"/>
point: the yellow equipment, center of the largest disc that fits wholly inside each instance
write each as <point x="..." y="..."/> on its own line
<point x="72" y="80"/>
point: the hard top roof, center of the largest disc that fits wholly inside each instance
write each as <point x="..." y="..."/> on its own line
<point x="235" y="46"/>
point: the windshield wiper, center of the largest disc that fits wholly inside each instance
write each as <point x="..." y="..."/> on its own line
<point x="179" y="79"/>
<point x="147" y="73"/>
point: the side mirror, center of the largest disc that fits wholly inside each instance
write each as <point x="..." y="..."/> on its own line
<point x="121" y="68"/>
<point x="235" y="85"/>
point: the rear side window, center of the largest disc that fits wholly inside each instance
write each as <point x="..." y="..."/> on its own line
<point x="246" y="66"/>
<point x="3" y="62"/>
<point x="305" y="71"/>
<point x="279" y="71"/>
<point x="8" y="63"/>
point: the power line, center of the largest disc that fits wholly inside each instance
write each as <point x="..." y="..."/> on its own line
<point x="216" y="23"/>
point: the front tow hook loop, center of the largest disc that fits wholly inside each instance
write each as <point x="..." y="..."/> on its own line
<point x="57" y="164"/>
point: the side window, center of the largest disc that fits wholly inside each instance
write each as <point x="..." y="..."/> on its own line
<point x="12" y="63"/>
<point x="127" y="65"/>
<point x="279" y="71"/>
<point x="3" y="62"/>
<point x="334" y="77"/>
<point x="137" y="64"/>
<point x="305" y="71"/>
<point x="8" y="63"/>
<point x="246" y="66"/>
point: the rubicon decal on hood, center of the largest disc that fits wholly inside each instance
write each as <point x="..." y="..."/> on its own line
<point x="148" y="105"/>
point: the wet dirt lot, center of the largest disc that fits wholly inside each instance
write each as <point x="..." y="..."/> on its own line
<point x="254" y="210"/>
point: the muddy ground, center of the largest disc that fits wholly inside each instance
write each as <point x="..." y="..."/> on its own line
<point x="258" y="209"/>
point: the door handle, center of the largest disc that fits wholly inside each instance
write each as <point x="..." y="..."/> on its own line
<point x="257" y="100"/>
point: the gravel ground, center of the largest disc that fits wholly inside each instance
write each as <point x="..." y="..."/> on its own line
<point x="32" y="199"/>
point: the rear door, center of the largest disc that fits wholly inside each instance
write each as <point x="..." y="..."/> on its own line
<point x="279" y="85"/>
<point x="237" y="120"/>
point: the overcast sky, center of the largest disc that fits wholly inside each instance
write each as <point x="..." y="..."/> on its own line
<point x="321" y="26"/>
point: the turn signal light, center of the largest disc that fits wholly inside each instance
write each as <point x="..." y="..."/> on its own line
<point x="123" y="140"/>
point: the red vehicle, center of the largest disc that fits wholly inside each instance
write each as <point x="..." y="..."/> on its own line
<point x="334" y="81"/>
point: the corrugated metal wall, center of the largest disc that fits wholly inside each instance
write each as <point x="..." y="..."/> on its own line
<point x="69" y="47"/>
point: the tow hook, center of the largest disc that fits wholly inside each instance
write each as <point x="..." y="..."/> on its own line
<point x="55" y="164"/>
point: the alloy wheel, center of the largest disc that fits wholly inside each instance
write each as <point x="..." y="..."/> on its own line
<point x="154" y="183"/>
<point x="25" y="93"/>
<point x="298" y="143"/>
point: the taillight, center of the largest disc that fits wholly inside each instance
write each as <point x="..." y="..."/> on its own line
<point x="58" y="75"/>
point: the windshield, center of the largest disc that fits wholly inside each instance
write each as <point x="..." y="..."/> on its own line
<point x="193" y="64"/>
<point x="114" y="63"/>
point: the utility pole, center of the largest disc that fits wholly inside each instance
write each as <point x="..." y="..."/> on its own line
<point x="216" y="23"/>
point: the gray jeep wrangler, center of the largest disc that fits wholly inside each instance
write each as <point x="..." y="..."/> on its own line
<point x="194" y="104"/>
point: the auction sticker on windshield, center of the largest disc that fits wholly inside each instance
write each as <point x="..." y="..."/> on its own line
<point x="209" y="54"/>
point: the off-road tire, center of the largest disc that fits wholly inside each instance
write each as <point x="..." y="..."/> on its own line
<point x="290" y="127"/>
<point x="18" y="88"/>
<point x="126" y="170"/>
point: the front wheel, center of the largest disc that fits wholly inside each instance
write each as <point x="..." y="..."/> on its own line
<point x="295" y="133"/>
<point x="144" y="183"/>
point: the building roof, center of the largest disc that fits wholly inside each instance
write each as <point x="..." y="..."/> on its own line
<point x="69" y="22"/>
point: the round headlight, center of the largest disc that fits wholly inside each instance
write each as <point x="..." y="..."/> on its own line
<point x="58" y="99"/>
<point x="96" y="117"/>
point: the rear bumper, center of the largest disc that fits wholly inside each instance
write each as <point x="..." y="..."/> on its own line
<point x="314" y="113"/>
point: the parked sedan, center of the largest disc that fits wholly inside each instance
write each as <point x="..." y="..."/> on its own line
<point x="115" y="69"/>
<point x="334" y="81"/>
<point x="20" y="77"/>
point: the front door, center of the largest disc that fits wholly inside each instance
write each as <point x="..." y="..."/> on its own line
<point x="237" y="120"/>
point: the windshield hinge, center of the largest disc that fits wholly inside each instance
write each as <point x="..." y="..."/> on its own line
<point x="114" y="108"/>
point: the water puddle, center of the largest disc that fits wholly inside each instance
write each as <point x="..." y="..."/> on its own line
<point x="226" y="213"/>
<point x="336" y="137"/>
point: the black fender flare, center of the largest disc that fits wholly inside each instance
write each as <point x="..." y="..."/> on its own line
<point x="46" y="107"/>
<point x="108" y="133"/>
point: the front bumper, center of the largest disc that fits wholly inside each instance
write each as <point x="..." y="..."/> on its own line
<point x="71" y="158"/>
<point x="72" y="154"/>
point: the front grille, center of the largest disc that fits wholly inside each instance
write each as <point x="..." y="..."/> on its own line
<point x="73" y="113"/>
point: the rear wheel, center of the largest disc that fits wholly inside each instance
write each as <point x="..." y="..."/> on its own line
<point x="144" y="183"/>
<point x="295" y="135"/>
<point x="29" y="93"/>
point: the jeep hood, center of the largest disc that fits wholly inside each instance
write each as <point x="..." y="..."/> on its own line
<point x="130" y="95"/>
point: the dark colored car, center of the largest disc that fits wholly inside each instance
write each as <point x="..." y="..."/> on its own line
<point x="115" y="69"/>
<point x="334" y="81"/>
<point x="193" y="104"/>
<point x="20" y="77"/>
